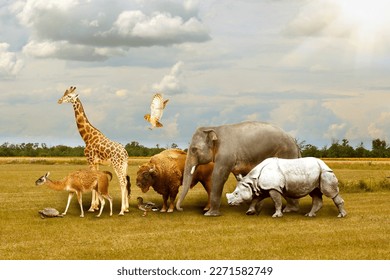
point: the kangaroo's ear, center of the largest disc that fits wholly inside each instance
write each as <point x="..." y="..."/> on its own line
<point x="47" y="174"/>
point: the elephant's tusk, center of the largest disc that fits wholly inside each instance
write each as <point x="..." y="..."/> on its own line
<point x="193" y="170"/>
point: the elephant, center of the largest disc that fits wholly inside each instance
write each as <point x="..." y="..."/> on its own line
<point x="290" y="178"/>
<point x="235" y="148"/>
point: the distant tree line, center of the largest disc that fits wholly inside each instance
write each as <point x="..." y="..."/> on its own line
<point x="42" y="150"/>
<point x="379" y="149"/>
<point x="335" y="150"/>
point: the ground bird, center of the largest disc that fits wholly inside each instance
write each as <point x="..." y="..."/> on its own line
<point x="146" y="206"/>
<point x="156" y="110"/>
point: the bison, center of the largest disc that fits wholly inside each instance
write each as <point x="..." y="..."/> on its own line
<point x="164" y="172"/>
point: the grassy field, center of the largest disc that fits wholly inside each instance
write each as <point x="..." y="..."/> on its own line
<point x="363" y="234"/>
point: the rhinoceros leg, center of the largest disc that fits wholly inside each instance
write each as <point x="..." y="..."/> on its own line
<point x="259" y="206"/>
<point x="252" y="207"/>
<point x="316" y="203"/>
<point x="277" y="198"/>
<point x="339" y="202"/>
<point x="292" y="205"/>
<point x="255" y="206"/>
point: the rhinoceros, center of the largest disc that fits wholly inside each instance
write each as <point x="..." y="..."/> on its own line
<point x="290" y="178"/>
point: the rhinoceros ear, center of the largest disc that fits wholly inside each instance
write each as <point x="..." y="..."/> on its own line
<point x="239" y="177"/>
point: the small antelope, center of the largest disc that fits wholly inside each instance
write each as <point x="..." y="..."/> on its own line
<point x="79" y="182"/>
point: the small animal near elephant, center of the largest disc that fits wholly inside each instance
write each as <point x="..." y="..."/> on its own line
<point x="290" y="178"/>
<point x="164" y="172"/>
<point x="235" y="148"/>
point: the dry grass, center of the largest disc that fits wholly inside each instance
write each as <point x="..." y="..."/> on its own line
<point x="365" y="175"/>
<point x="363" y="234"/>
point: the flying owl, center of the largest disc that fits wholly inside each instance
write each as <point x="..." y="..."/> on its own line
<point x="156" y="110"/>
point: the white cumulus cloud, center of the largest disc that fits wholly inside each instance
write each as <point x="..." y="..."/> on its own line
<point x="10" y="64"/>
<point x="171" y="84"/>
<point x="82" y="29"/>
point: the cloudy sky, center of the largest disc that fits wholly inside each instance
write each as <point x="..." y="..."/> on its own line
<point x="317" y="68"/>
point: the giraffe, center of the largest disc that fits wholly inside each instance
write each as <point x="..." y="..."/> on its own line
<point x="99" y="149"/>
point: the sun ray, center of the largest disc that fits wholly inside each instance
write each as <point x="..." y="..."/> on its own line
<point x="369" y="22"/>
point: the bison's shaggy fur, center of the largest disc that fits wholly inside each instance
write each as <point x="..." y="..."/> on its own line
<point x="164" y="172"/>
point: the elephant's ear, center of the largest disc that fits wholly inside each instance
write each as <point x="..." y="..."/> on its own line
<point x="211" y="134"/>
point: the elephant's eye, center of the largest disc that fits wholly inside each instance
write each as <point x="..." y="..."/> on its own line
<point x="194" y="149"/>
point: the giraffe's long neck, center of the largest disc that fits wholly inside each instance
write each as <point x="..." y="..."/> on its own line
<point x="86" y="129"/>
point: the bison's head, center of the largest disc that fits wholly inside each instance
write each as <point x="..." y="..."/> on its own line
<point x="146" y="175"/>
<point x="243" y="191"/>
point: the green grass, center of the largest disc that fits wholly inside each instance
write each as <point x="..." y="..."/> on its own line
<point x="363" y="234"/>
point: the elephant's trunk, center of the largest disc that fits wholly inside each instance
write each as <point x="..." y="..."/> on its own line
<point x="189" y="171"/>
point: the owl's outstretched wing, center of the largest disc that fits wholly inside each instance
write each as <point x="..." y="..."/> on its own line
<point x="157" y="108"/>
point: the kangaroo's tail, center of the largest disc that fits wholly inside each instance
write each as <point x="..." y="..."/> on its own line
<point x="109" y="174"/>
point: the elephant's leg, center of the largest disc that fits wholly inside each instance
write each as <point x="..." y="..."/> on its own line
<point x="219" y="177"/>
<point x="316" y="203"/>
<point x="277" y="198"/>
<point x="252" y="207"/>
<point x="339" y="202"/>
<point x="292" y="205"/>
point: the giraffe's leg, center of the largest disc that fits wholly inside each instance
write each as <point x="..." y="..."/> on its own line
<point x="94" y="202"/>
<point x="121" y="173"/>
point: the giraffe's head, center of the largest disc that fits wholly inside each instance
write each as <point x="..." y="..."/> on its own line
<point x="70" y="96"/>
